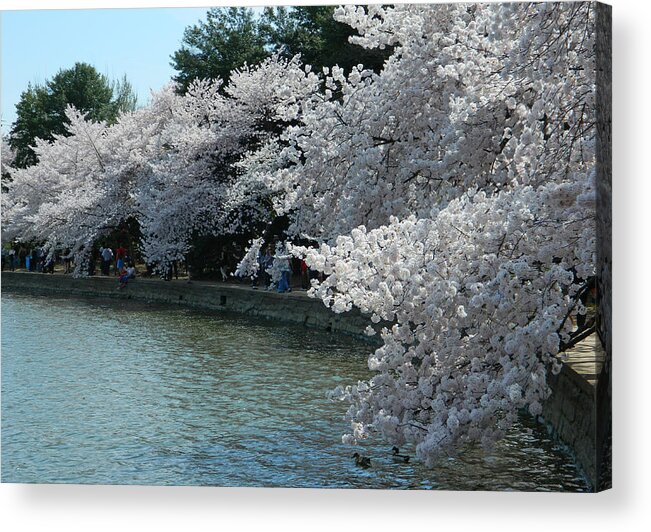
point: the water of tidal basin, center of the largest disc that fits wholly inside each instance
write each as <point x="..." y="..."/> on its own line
<point x="119" y="392"/>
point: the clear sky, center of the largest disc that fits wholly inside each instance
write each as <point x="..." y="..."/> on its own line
<point x="55" y="34"/>
<point x="137" y="42"/>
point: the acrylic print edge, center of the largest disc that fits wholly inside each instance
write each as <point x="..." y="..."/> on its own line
<point x="603" y="436"/>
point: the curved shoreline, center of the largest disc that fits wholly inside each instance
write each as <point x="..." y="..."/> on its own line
<point x="291" y="307"/>
<point x="569" y="414"/>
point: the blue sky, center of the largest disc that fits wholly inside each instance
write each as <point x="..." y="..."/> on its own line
<point x="137" y="42"/>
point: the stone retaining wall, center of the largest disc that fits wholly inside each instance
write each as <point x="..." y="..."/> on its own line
<point x="292" y="307"/>
<point x="570" y="416"/>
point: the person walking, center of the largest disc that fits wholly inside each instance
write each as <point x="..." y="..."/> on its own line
<point x="38" y="259"/>
<point x="285" y="267"/>
<point x="257" y="276"/>
<point x="67" y="262"/>
<point x="267" y="263"/>
<point x="305" y="275"/>
<point x="92" y="260"/>
<point x="12" y="259"/>
<point x="120" y="253"/>
<point x="107" y="257"/>
<point x="21" y="255"/>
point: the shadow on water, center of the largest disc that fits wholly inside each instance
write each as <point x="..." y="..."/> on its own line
<point x="124" y="392"/>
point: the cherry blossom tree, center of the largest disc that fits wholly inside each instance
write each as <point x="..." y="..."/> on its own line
<point x="202" y="184"/>
<point x="172" y="166"/>
<point x="454" y="193"/>
<point x="56" y="201"/>
<point x="480" y="295"/>
<point x="466" y="100"/>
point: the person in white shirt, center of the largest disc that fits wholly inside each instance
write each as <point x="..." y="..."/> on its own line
<point x="107" y="258"/>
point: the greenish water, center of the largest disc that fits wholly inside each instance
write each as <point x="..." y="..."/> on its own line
<point x="119" y="392"/>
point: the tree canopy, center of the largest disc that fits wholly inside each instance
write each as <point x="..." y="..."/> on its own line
<point x="232" y="37"/>
<point x="228" y="39"/>
<point x="41" y="110"/>
<point x="322" y="41"/>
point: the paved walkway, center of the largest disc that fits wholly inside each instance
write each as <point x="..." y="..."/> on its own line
<point x="245" y="285"/>
<point x="587" y="358"/>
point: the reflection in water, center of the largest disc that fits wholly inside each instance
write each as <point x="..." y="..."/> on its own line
<point x="98" y="391"/>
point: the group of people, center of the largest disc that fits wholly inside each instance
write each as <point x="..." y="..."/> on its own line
<point x="120" y="257"/>
<point x="125" y="268"/>
<point x="35" y="259"/>
<point x="275" y="272"/>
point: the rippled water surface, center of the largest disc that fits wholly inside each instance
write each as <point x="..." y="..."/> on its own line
<point x="120" y="392"/>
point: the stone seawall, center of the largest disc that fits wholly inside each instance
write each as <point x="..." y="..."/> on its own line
<point x="570" y="413"/>
<point x="292" y="307"/>
<point x="570" y="416"/>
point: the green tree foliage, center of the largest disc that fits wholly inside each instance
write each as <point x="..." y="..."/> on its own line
<point x="322" y="41"/>
<point x="124" y="98"/>
<point x="7" y="158"/>
<point x="32" y="122"/>
<point x="229" y="38"/>
<point x="41" y="109"/>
